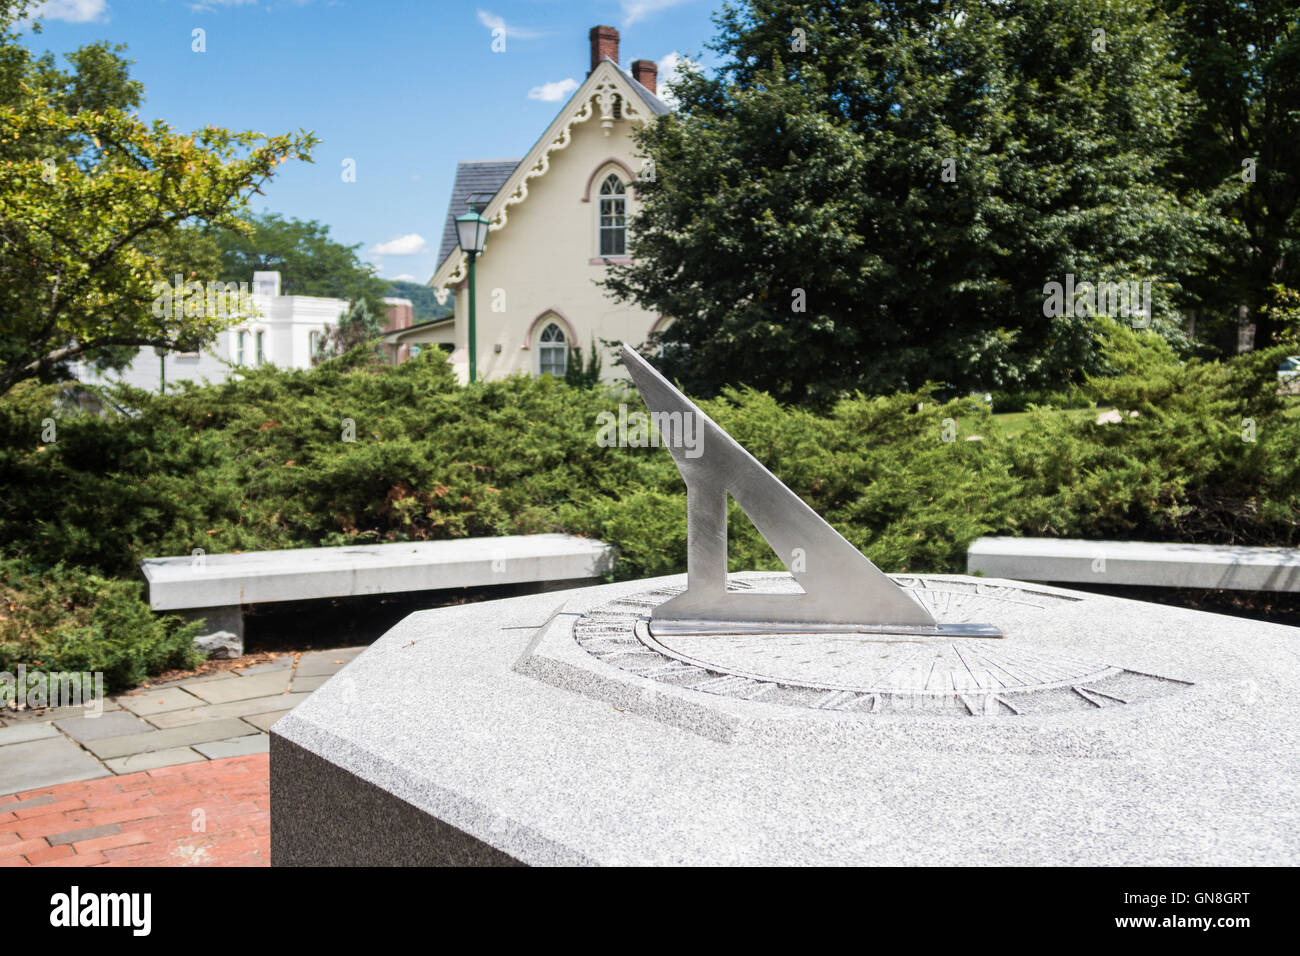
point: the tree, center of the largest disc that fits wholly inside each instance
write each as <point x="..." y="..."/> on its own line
<point x="425" y="305"/>
<point x="308" y="260"/>
<point x="95" y="205"/>
<point x="868" y="195"/>
<point x="355" y="327"/>
<point x="1243" y="62"/>
<point x="580" y="374"/>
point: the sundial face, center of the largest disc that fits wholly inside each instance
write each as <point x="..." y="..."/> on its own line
<point x="871" y="673"/>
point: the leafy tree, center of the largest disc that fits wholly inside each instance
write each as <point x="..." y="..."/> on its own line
<point x="578" y="374"/>
<point x="356" y="327"/>
<point x="308" y="260"/>
<point x="801" y="228"/>
<point x="1243" y="63"/>
<point x="94" y="204"/>
<point x="424" y="300"/>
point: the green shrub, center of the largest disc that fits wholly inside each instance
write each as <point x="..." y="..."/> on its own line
<point x="66" y="619"/>
<point x="263" y="462"/>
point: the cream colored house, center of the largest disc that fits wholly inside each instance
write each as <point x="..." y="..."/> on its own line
<point x="558" y="219"/>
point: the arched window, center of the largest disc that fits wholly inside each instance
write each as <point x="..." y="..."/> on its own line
<point x="552" y="352"/>
<point x="241" y="337"/>
<point x="613" y="217"/>
<point x="259" y="339"/>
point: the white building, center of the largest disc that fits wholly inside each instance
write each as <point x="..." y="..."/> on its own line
<point x="285" y="331"/>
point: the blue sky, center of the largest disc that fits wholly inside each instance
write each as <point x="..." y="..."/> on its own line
<point x="403" y="88"/>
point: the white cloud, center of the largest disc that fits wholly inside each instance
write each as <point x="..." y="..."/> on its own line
<point x="494" y="21"/>
<point x="553" y="92"/>
<point x="404" y="277"/>
<point x="634" y="11"/>
<point x="671" y="66"/>
<point x="71" y="11"/>
<point x="409" y="245"/>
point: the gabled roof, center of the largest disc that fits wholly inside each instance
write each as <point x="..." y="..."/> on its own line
<point x="507" y="183"/>
<point x="477" y="176"/>
<point x="652" y="102"/>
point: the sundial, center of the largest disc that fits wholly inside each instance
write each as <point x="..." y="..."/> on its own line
<point x="835" y="633"/>
<point x="840" y="589"/>
<point x="827" y="714"/>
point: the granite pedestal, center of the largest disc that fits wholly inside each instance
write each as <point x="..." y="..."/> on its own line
<point x="559" y="729"/>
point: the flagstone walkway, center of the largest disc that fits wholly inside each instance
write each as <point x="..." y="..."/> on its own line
<point x="174" y="773"/>
<point x="225" y="713"/>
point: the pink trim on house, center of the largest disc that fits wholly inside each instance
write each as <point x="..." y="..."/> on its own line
<point x="612" y="161"/>
<point x="570" y="336"/>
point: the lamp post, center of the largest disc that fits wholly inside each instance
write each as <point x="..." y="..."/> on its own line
<point x="471" y="233"/>
<point x="161" y="352"/>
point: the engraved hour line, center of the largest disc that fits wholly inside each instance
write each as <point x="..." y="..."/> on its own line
<point x="1087" y="696"/>
<point x="1058" y="669"/>
<point x="1021" y="673"/>
<point x="884" y="675"/>
<point x="961" y="656"/>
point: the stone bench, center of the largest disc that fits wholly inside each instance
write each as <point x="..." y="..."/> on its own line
<point x="1148" y="563"/>
<point x="215" y="587"/>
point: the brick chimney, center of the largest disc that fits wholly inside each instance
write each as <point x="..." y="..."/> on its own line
<point x="646" y="73"/>
<point x="604" y="43"/>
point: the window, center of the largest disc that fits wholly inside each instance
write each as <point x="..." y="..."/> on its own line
<point x="552" y="352"/>
<point x="613" y="217"/>
<point x="314" y="342"/>
<point x="240" y="338"/>
<point x="261" y="353"/>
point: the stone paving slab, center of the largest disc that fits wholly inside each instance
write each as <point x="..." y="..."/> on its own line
<point x="264" y="721"/>
<point x="325" y="662"/>
<point x="21" y="733"/>
<point x="153" y="759"/>
<point x="154" y="729"/>
<point x="281" y="664"/>
<point x="200" y="679"/>
<point x="234" y="708"/>
<point x="44" y="715"/>
<point x="305" y="685"/>
<point x="159" y="701"/>
<point x="185" y="736"/>
<point x="85" y="833"/>
<point x="237" y="747"/>
<point x="115" y="724"/>
<point x="41" y="763"/>
<point x="241" y="688"/>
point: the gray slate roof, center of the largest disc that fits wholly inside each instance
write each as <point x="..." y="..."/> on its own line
<point x="484" y="176"/>
<point x="652" y="102"/>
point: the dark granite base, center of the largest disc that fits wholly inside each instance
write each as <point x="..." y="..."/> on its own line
<point x="322" y="815"/>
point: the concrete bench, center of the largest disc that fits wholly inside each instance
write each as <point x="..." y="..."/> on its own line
<point x="1154" y="564"/>
<point x="216" y="586"/>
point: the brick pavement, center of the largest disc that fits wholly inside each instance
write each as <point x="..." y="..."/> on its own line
<point x="209" y="813"/>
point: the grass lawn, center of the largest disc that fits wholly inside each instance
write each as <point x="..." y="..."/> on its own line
<point x="1011" y="424"/>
